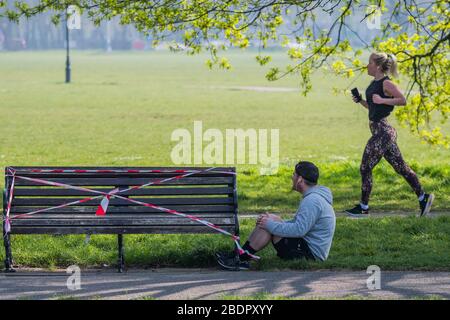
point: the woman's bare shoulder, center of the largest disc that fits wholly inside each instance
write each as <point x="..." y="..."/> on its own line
<point x="389" y="86"/>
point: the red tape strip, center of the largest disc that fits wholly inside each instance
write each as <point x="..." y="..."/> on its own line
<point x="114" y="193"/>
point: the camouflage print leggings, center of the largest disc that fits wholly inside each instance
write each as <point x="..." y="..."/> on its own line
<point x="383" y="144"/>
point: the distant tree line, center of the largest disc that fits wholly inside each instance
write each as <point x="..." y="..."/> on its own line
<point x="38" y="32"/>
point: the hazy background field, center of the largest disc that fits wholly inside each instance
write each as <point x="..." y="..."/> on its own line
<point x="122" y="107"/>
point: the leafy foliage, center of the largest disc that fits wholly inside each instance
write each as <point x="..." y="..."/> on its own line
<point x="418" y="33"/>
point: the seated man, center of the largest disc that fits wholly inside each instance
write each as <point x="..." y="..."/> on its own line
<point x="308" y="235"/>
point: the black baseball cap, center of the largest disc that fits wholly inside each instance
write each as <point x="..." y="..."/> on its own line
<point x="308" y="171"/>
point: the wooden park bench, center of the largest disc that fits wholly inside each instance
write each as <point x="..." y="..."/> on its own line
<point x="209" y="194"/>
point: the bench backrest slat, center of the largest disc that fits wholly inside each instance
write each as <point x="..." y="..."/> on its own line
<point x="49" y="202"/>
<point x="210" y="196"/>
<point x="191" y="209"/>
<point x="156" y="191"/>
<point x="126" y="181"/>
<point x="118" y="229"/>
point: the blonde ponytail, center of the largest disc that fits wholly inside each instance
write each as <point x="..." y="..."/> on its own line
<point x="387" y="62"/>
<point x="393" y="65"/>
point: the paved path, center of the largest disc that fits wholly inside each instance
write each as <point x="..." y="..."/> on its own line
<point x="210" y="284"/>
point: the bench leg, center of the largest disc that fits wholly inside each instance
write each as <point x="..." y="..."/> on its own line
<point x="121" y="262"/>
<point x="8" y="253"/>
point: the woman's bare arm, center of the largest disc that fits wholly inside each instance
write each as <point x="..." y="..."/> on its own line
<point x="362" y="102"/>
<point x="398" y="99"/>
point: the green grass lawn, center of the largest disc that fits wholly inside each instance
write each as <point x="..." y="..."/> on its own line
<point x="391" y="243"/>
<point x="122" y="108"/>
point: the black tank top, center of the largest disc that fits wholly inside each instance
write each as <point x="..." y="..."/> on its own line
<point x="377" y="111"/>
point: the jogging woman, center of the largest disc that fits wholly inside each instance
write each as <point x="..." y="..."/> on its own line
<point x="381" y="97"/>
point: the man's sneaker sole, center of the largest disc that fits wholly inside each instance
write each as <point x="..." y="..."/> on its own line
<point x="357" y="215"/>
<point x="428" y="205"/>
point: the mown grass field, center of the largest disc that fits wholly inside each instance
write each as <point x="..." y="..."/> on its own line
<point x="392" y="243"/>
<point x="122" y="108"/>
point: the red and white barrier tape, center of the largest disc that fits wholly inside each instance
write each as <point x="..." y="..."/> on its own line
<point x="101" y="210"/>
<point x="105" y="201"/>
<point x="194" y="218"/>
<point x="103" y="206"/>
<point x="66" y="186"/>
<point x="114" y="171"/>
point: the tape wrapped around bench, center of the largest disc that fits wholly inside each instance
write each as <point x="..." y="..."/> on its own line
<point x="210" y="196"/>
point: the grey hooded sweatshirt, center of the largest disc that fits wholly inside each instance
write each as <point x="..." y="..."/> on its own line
<point x="314" y="221"/>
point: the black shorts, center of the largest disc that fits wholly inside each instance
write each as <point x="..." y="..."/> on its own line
<point x="293" y="248"/>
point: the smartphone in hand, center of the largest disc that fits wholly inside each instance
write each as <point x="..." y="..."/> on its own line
<point x="356" y="94"/>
